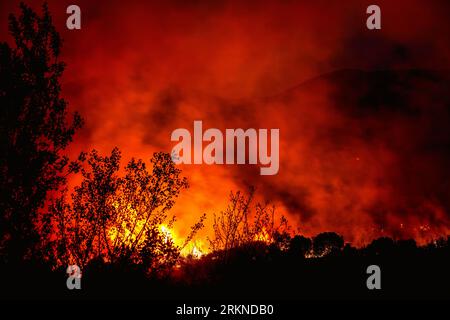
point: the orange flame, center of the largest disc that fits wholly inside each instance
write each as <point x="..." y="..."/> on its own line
<point x="263" y="236"/>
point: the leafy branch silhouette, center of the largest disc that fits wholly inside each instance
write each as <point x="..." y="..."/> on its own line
<point x="115" y="217"/>
<point x="34" y="127"/>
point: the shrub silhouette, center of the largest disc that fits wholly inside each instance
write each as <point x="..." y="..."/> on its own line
<point x="34" y="127"/>
<point x="327" y="243"/>
<point x="381" y="246"/>
<point x="300" y="246"/>
<point x="243" y="223"/>
<point x="117" y="218"/>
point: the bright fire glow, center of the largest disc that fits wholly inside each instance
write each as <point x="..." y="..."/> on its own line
<point x="167" y="233"/>
<point x="195" y="250"/>
<point x="263" y="236"/>
<point x="123" y="233"/>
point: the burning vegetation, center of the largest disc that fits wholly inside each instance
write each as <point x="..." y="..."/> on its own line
<point x="113" y="217"/>
<point x="120" y="216"/>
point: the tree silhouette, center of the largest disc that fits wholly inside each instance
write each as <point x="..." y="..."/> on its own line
<point x="300" y="246"/>
<point x="117" y="218"/>
<point x="381" y="246"/>
<point x="242" y="224"/>
<point x="327" y="243"/>
<point x="34" y="129"/>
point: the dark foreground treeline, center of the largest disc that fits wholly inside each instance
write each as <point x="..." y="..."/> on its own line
<point x="254" y="271"/>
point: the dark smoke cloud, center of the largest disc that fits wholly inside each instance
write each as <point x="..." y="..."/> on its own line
<point x="363" y="150"/>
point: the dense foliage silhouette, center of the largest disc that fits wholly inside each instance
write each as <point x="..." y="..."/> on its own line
<point x="35" y="127"/>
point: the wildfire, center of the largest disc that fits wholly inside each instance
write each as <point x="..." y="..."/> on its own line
<point x="167" y="233"/>
<point x="124" y="234"/>
<point x="263" y="236"/>
<point x="195" y="250"/>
